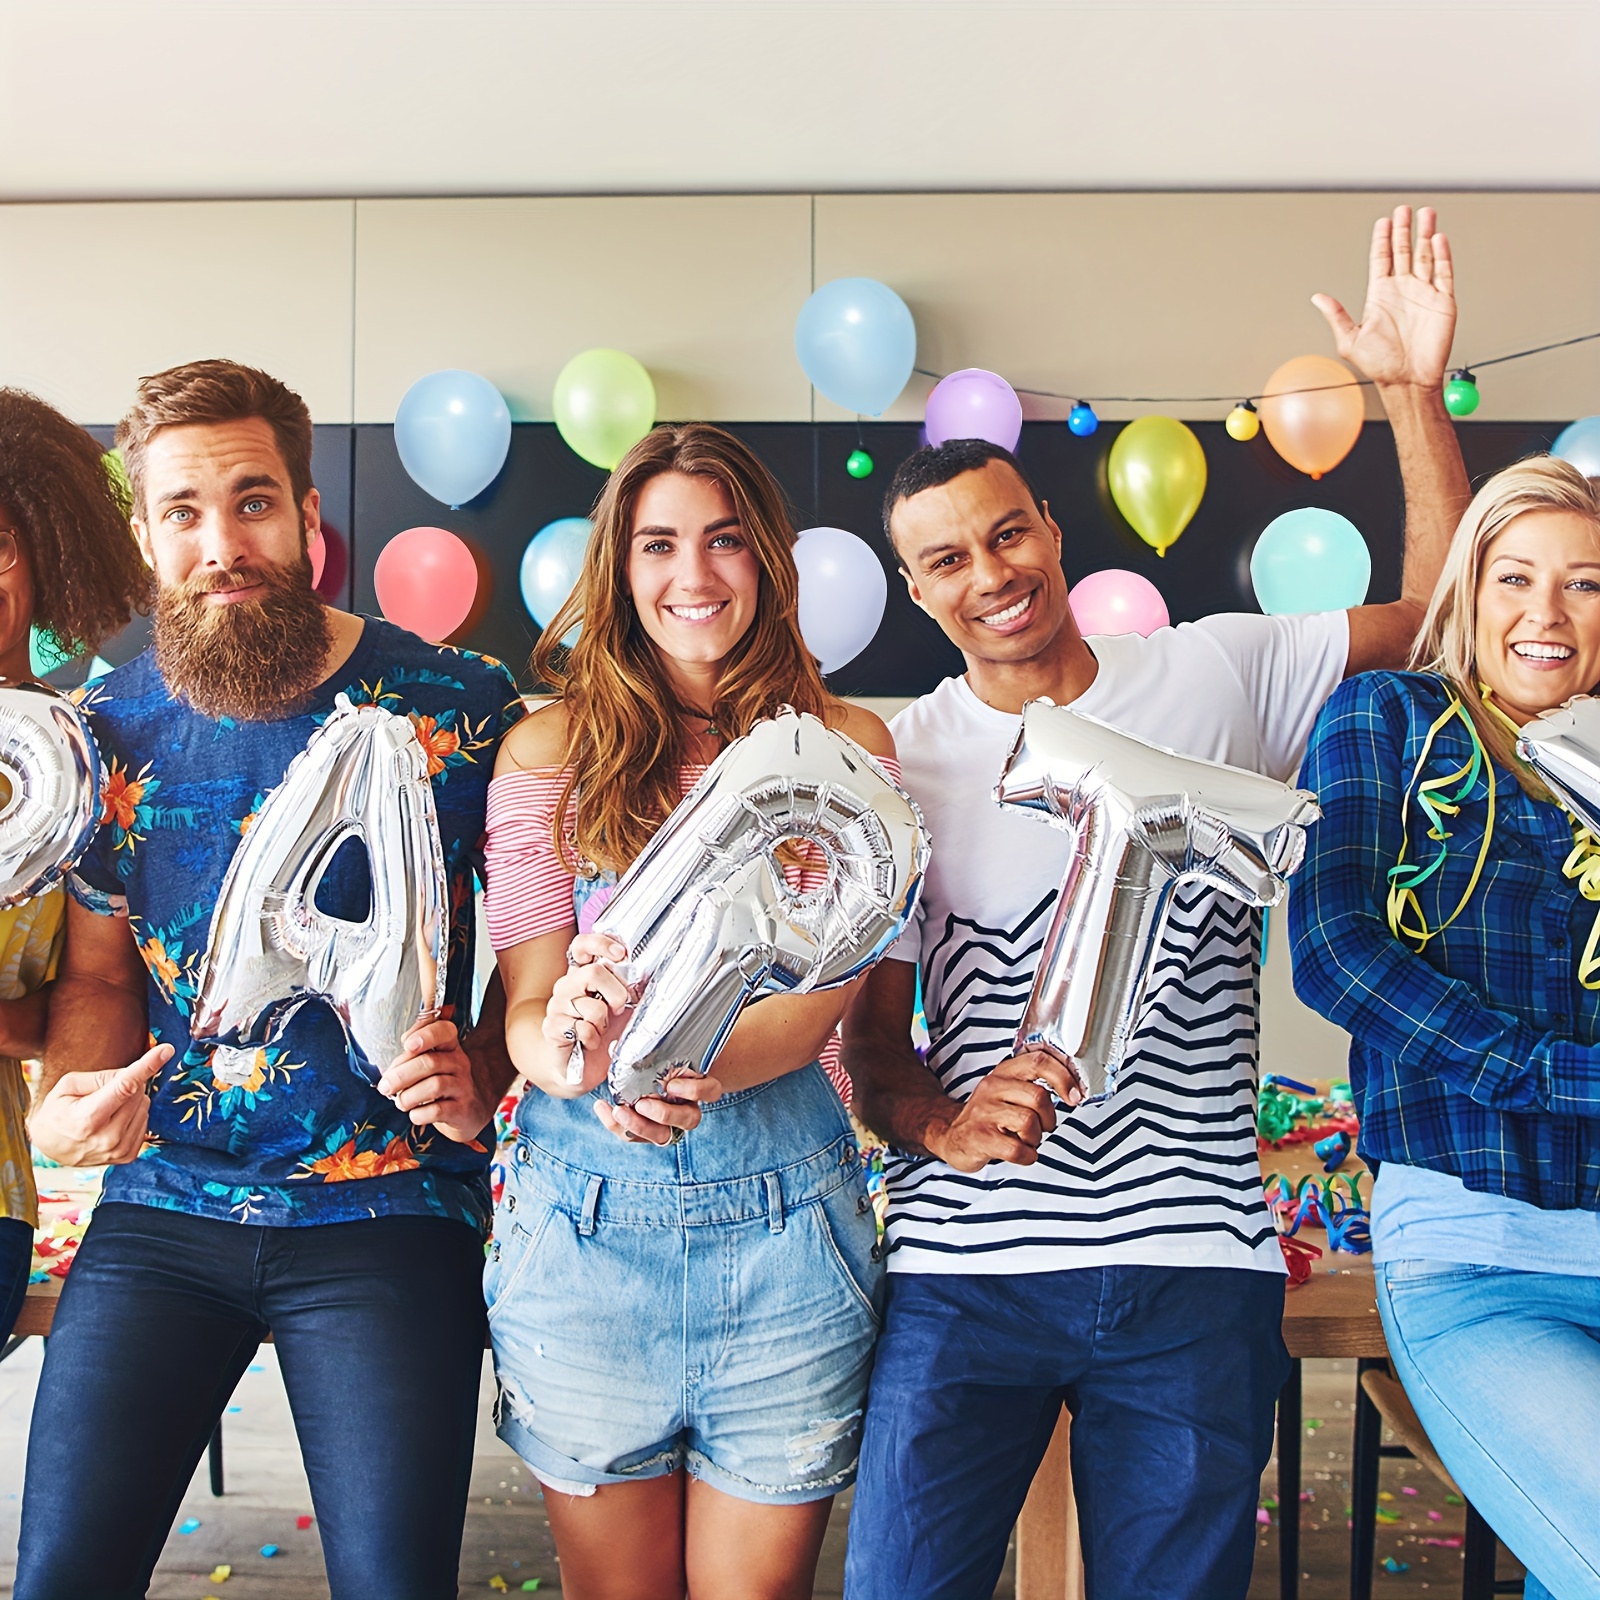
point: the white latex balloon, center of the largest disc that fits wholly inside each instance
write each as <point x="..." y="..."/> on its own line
<point x="843" y="591"/>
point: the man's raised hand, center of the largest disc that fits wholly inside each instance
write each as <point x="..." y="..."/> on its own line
<point x="92" y="1119"/>
<point x="1008" y="1115"/>
<point x="1409" y="320"/>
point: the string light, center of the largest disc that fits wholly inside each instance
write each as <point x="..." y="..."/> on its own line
<point x="1082" y="420"/>
<point x="1243" y="422"/>
<point x="1461" y="374"/>
<point x="859" y="464"/>
<point x="1461" y="393"/>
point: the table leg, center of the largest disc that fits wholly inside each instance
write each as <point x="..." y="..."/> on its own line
<point x="214" y="1459"/>
<point x="1482" y="1548"/>
<point x="1290" y="1432"/>
<point x="1364" y="1461"/>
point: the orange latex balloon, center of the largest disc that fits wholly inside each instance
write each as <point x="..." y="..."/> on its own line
<point x="1312" y="410"/>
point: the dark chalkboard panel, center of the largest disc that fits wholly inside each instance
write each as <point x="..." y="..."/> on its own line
<point x="368" y="498"/>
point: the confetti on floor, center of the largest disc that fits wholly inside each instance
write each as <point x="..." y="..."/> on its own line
<point x="221" y="1573"/>
<point x="269" y="1551"/>
<point x="1391" y="1565"/>
<point x="497" y="1582"/>
<point x="302" y="1523"/>
<point x="188" y="1525"/>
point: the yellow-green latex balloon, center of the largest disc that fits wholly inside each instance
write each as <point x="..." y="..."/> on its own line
<point x="120" y="486"/>
<point x="1157" y="473"/>
<point x="604" y="404"/>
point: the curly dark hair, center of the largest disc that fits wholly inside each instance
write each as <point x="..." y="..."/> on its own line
<point x="71" y="519"/>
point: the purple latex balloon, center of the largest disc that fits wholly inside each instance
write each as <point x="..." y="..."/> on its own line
<point x="974" y="404"/>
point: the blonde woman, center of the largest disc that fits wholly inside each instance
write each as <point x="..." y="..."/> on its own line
<point x="68" y="564"/>
<point x="683" y="1327"/>
<point x="1447" y="918"/>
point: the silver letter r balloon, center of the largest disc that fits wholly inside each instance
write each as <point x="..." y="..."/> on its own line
<point x="50" y="777"/>
<point x="1145" y="820"/>
<point x="363" y="776"/>
<point x="708" y="917"/>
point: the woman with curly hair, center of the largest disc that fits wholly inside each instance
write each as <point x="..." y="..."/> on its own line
<point x="68" y="566"/>
<point x="683" y="1327"/>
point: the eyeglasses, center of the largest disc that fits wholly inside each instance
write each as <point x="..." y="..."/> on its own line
<point x="8" y="549"/>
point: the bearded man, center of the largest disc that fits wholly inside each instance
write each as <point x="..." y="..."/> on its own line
<point x="269" y="1188"/>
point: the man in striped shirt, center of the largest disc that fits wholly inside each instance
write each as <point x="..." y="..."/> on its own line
<point x="1117" y="1259"/>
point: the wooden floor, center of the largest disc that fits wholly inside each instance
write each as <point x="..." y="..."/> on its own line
<point x="507" y="1535"/>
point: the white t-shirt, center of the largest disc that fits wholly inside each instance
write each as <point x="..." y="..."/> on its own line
<point x="1165" y="1172"/>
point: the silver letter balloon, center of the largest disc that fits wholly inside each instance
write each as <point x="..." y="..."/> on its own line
<point x="361" y="776"/>
<point x="1563" y="748"/>
<point x="50" y="773"/>
<point x="708" y="917"/>
<point x="1145" y="820"/>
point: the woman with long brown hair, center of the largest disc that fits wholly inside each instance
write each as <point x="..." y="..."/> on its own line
<point x="683" y="1328"/>
<point x="69" y="567"/>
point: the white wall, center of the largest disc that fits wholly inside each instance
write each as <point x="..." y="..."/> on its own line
<point x="228" y="98"/>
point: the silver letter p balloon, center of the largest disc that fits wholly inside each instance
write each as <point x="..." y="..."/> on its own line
<point x="708" y="917"/>
<point x="361" y="776"/>
<point x="49" y="789"/>
<point x="1145" y="820"/>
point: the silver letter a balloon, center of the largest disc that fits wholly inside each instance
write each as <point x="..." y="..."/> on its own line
<point x="1145" y="820"/>
<point x="49" y="789"/>
<point x="362" y="776"/>
<point x="709" y="918"/>
<point x="1563" y="747"/>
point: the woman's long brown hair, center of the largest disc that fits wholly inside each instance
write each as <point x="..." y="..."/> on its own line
<point x="625" y="738"/>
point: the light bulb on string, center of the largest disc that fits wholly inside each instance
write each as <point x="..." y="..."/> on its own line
<point x="1461" y="393"/>
<point x="1243" y="422"/>
<point x="859" y="464"/>
<point x="1082" y="420"/>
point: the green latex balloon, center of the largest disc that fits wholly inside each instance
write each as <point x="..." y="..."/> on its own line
<point x="1157" y="473"/>
<point x="604" y="404"/>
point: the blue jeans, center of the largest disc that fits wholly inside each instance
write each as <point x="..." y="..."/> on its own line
<point x="1172" y="1377"/>
<point x="710" y="1306"/>
<point x="16" y="1261"/>
<point x="1503" y="1368"/>
<point x="380" y="1331"/>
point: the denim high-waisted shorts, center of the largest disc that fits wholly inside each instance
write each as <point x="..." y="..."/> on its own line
<point x="711" y="1305"/>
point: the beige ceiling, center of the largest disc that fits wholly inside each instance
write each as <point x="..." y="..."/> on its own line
<point x="196" y="98"/>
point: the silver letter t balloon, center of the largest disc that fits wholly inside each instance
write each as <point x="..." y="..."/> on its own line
<point x="1145" y="820"/>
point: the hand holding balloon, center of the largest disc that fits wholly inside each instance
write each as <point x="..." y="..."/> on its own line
<point x="588" y="1007"/>
<point x="1008" y="1116"/>
<point x="661" y="1119"/>
<point x="434" y="1084"/>
<point x="93" y="1119"/>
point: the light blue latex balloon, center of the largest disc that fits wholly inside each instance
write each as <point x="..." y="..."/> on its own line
<point x="550" y="568"/>
<point x="1579" y="443"/>
<point x="453" y="430"/>
<point x="857" y="342"/>
<point x="44" y="654"/>
<point x="1310" y="560"/>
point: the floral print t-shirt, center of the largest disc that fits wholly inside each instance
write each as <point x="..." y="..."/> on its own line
<point x="287" y="1133"/>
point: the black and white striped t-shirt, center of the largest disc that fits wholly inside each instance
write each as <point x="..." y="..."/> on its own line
<point x="1164" y="1172"/>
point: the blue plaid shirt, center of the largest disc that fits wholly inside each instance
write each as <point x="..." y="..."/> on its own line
<point x="1478" y="1056"/>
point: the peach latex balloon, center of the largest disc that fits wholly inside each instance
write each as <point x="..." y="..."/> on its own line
<point x="1312" y="409"/>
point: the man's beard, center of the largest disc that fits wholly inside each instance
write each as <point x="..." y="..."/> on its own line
<point x="253" y="660"/>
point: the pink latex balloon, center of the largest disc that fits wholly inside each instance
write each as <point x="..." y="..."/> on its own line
<point x="974" y="404"/>
<point x="1115" y="601"/>
<point x="317" y="551"/>
<point x="426" y="581"/>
